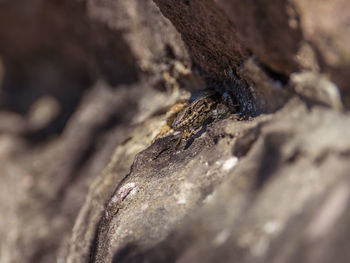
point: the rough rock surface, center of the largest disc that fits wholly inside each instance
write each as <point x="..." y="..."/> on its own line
<point x="289" y="36"/>
<point x="85" y="87"/>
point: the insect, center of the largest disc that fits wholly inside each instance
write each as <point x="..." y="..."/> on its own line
<point x="187" y="118"/>
<point x="193" y="116"/>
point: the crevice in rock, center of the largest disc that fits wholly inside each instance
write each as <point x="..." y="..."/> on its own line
<point x="274" y="75"/>
<point x="271" y="156"/>
<point x="245" y="143"/>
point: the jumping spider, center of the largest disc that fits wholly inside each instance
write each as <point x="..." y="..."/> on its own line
<point x="187" y="119"/>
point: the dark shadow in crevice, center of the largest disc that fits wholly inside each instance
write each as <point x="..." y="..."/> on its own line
<point x="126" y="253"/>
<point x="243" y="144"/>
<point x="163" y="252"/>
<point x="271" y="157"/>
<point x="243" y="102"/>
<point x="276" y="76"/>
